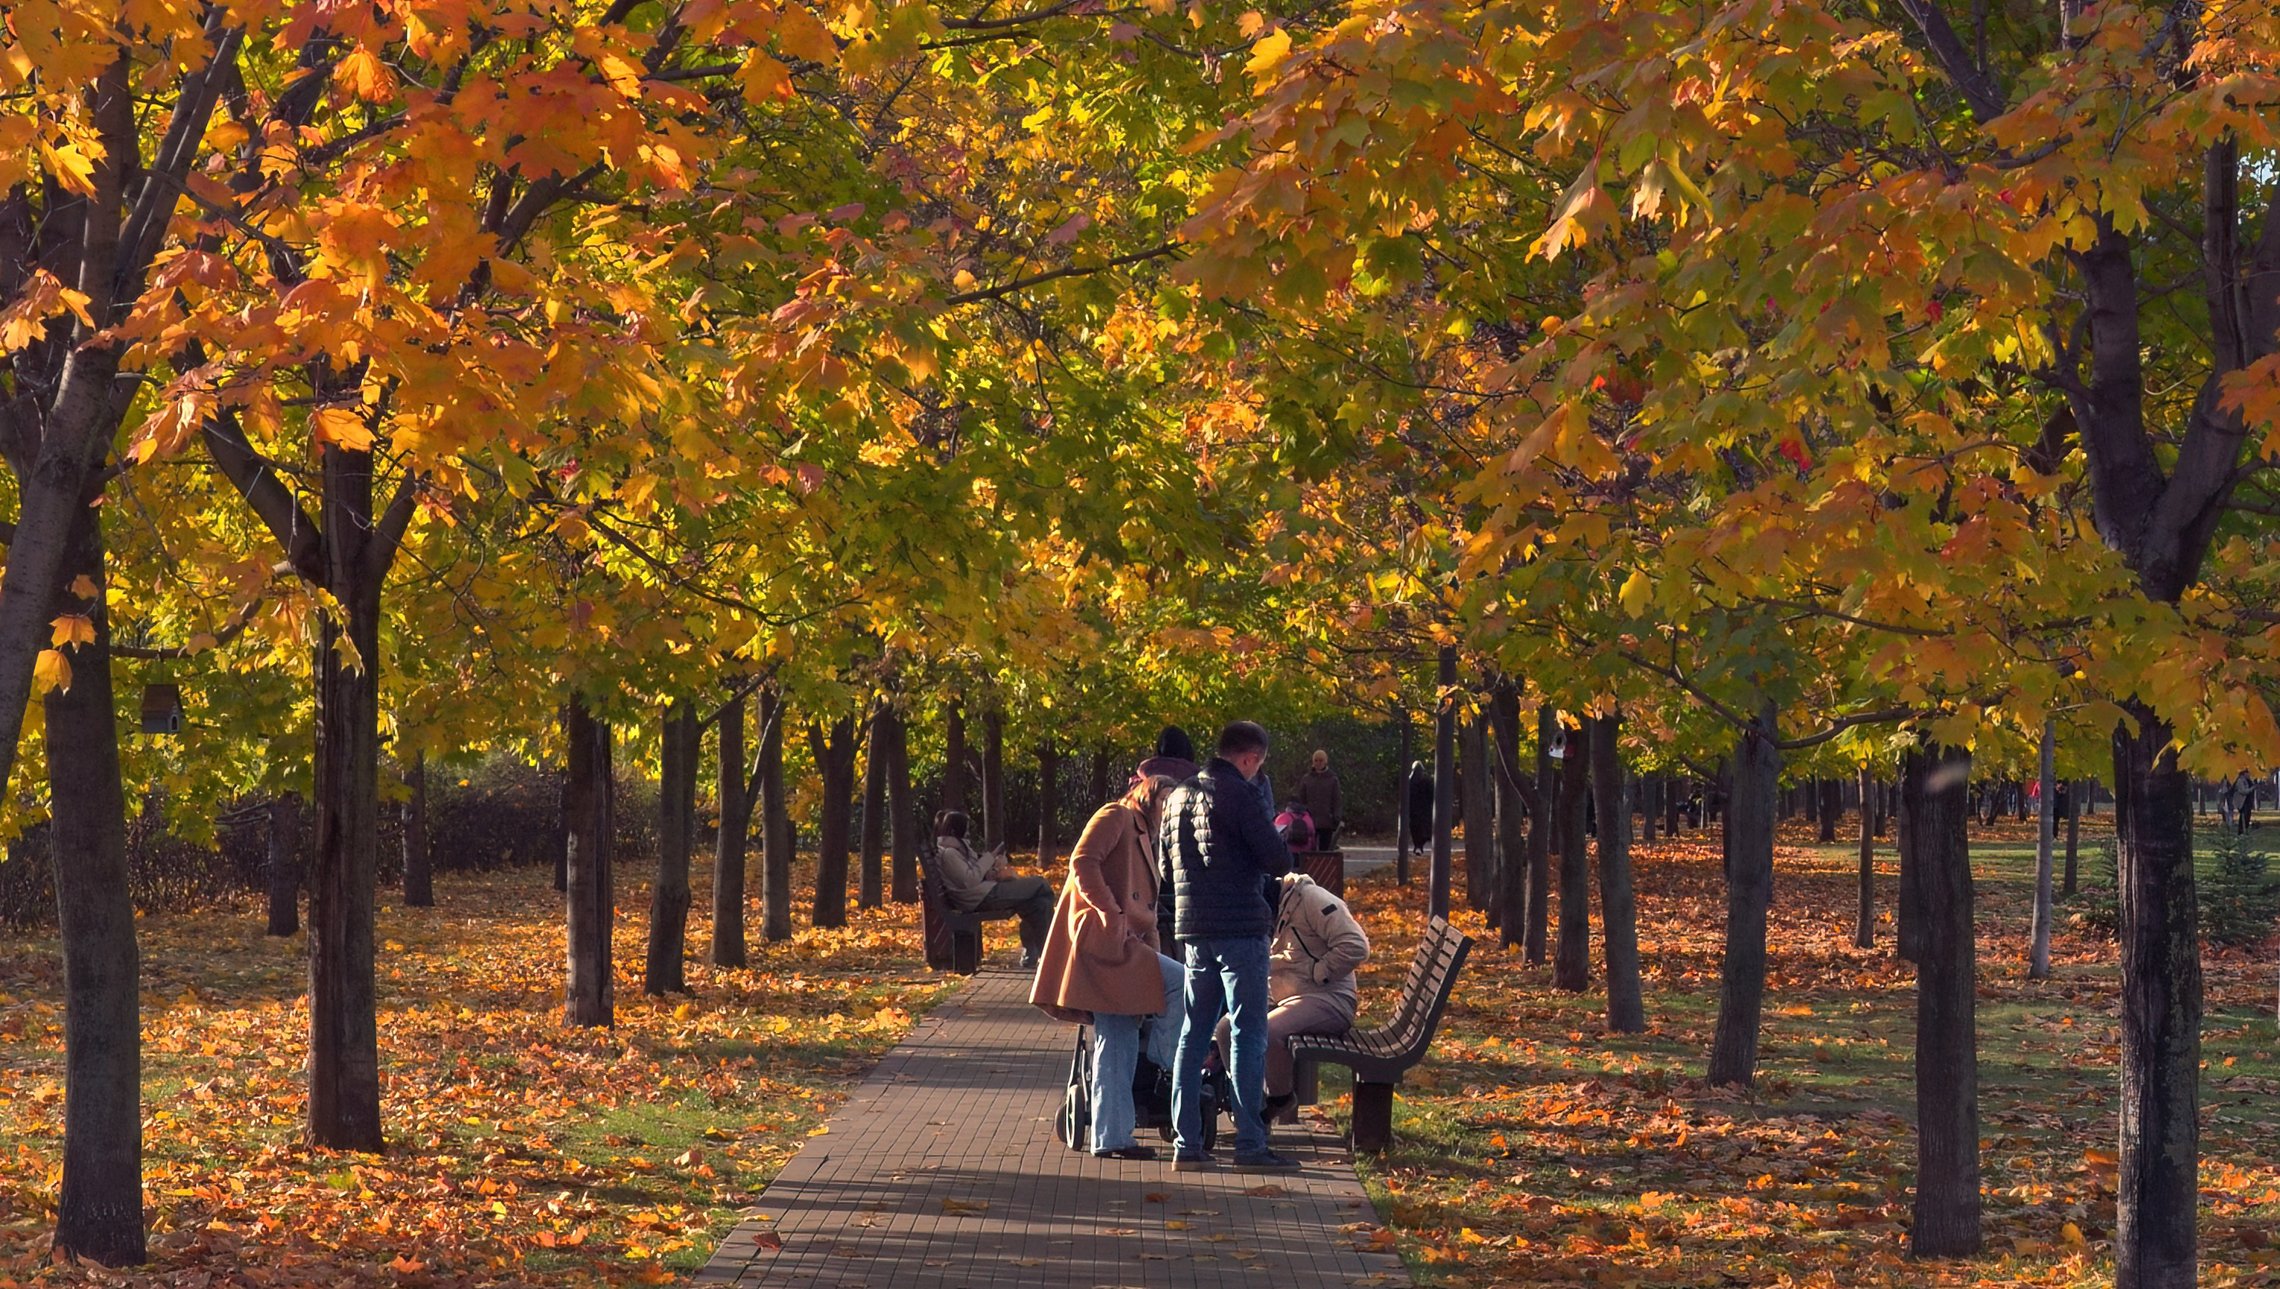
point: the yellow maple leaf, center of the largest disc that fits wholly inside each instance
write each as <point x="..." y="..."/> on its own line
<point x="342" y="427"/>
<point x="364" y="75"/>
<point x="52" y="671"/>
<point x="72" y="629"/>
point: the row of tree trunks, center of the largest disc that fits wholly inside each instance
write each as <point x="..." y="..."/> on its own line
<point x="1535" y="945"/>
<point x="729" y="842"/>
<point x="1934" y="807"/>
<point x="676" y="837"/>
<point x="1618" y="905"/>
<point x="590" y="809"/>
<point x="955" y="794"/>
<point x="834" y="750"/>
<point x="1479" y="813"/>
<point x="2038" y="949"/>
<point x="902" y="809"/>
<point x="994" y="830"/>
<point x="776" y="836"/>
<point x="1571" y="959"/>
<point x="1444" y="785"/>
<point x="1048" y="797"/>
<point x="1832" y="803"/>
<point x="419" y="866"/>
<point x="1515" y="819"/>
<point x="1864" y="914"/>
<point x="1403" y="843"/>
<point x="870" y="890"/>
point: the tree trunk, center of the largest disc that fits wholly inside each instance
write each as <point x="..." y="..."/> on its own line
<point x="1756" y="777"/>
<point x="1535" y="940"/>
<point x="1908" y="942"/>
<point x="419" y="871"/>
<point x="835" y="763"/>
<point x="344" y="1037"/>
<point x="1402" y="841"/>
<point x="954" y="787"/>
<point x="1048" y="802"/>
<point x="1672" y="805"/>
<point x="664" y="971"/>
<point x="870" y="886"/>
<point x="776" y="836"/>
<point x="1513" y="818"/>
<point x="285" y="864"/>
<point x="1832" y="808"/>
<point x="902" y="811"/>
<point x="2038" y="951"/>
<point x="2156" y="1240"/>
<point x="1571" y="959"/>
<point x="99" y="1212"/>
<point x="1097" y="778"/>
<point x="1444" y="786"/>
<point x="1618" y="904"/>
<point x="994" y="831"/>
<point x="591" y="996"/>
<point x="1479" y="812"/>
<point x="1883" y="805"/>
<point x="2074" y="807"/>
<point x="1650" y="807"/>
<point x="1864" y="911"/>
<point x="1934" y="804"/>
<point x="729" y="842"/>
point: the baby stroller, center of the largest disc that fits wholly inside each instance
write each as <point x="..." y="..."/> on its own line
<point x="1151" y="1098"/>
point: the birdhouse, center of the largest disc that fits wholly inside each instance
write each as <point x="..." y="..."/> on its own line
<point x="162" y="709"/>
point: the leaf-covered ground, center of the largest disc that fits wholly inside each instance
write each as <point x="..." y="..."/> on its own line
<point x="522" y="1152"/>
<point x="1536" y="1148"/>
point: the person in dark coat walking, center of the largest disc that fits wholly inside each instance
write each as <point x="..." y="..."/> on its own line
<point x="1323" y="798"/>
<point x="1419" y="797"/>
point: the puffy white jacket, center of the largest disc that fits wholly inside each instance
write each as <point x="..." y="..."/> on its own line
<point x="1317" y="946"/>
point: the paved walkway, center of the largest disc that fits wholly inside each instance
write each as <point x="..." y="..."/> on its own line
<point x="941" y="1171"/>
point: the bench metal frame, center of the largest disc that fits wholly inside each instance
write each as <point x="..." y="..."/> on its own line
<point x="1379" y="1057"/>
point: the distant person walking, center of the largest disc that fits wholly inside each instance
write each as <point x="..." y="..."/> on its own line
<point x="1419" y="793"/>
<point x="1224" y="850"/>
<point x="2244" y="802"/>
<point x="1322" y="797"/>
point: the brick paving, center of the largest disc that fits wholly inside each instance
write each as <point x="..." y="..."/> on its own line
<point x="940" y="1172"/>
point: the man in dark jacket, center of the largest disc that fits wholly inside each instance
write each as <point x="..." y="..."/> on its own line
<point x="1420" y="806"/>
<point x="1224" y="849"/>
<point x="1321" y="796"/>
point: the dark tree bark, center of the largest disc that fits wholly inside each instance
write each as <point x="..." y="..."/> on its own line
<point x="994" y="831"/>
<point x="835" y="762"/>
<point x="902" y="811"/>
<point x="1444" y="786"/>
<point x="1479" y="813"/>
<point x="99" y="1212"/>
<point x="1571" y="958"/>
<point x="729" y="843"/>
<point x="1883" y="805"/>
<point x="2046" y="805"/>
<point x="591" y="995"/>
<point x="1832" y="807"/>
<point x="870" y="884"/>
<point x="1048" y="802"/>
<point x="955" y="792"/>
<point x="1672" y="792"/>
<point x="1756" y="778"/>
<point x="1864" y="913"/>
<point x="664" y="971"/>
<point x="1908" y="912"/>
<point x="1934" y="804"/>
<point x="2074" y="805"/>
<point x="1097" y="777"/>
<point x="285" y="864"/>
<point x="1618" y="904"/>
<point x="1650" y="806"/>
<point x="344" y="1035"/>
<point x="1535" y="943"/>
<point x="2156" y="1240"/>
<point x="419" y="870"/>
<point x="1517" y="812"/>
<point x="776" y="837"/>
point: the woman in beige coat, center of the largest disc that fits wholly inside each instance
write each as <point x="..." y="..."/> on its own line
<point x="1101" y="962"/>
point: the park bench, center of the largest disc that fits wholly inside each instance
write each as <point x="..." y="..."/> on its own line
<point x="1379" y="1057"/>
<point x="953" y="939"/>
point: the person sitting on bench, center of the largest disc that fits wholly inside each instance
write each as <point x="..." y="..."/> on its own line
<point x="987" y="883"/>
<point x="1310" y="976"/>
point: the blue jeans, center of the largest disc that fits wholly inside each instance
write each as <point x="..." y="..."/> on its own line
<point x="1116" y="1054"/>
<point x="1227" y="975"/>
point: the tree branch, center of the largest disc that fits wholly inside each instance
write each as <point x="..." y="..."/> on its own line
<point x="1019" y="285"/>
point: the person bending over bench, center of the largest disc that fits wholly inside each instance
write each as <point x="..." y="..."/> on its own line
<point x="986" y="883"/>
<point x="1310" y="977"/>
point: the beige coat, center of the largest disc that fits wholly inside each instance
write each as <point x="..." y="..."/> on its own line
<point x="1317" y="945"/>
<point x="1089" y="963"/>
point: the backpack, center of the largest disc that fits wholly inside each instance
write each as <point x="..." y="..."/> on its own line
<point x="1296" y="826"/>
